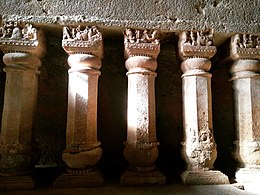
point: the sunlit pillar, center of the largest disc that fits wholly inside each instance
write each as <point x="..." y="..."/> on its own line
<point x="141" y="149"/>
<point x="245" y="51"/>
<point x="23" y="46"/>
<point x="83" y="150"/>
<point x="199" y="147"/>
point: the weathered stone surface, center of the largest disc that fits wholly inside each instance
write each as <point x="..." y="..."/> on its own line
<point x="224" y="16"/>
<point x="247" y="116"/>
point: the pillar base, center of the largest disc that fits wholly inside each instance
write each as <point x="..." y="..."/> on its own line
<point x="79" y="180"/>
<point x="204" y="177"/>
<point x="249" y="178"/>
<point x="17" y="182"/>
<point x="132" y="178"/>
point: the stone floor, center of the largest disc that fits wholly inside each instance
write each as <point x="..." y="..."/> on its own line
<point x="45" y="177"/>
<point x="114" y="188"/>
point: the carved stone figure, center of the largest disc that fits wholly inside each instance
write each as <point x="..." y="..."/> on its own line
<point x="257" y="42"/>
<point x="15" y="30"/>
<point x="246" y="41"/>
<point x="243" y="46"/>
<point x="67" y="34"/>
<point x="196" y="44"/>
<point x="238" y="40"/>
<point x="7" y="30"/>
<point x="87" y="40"/>
<point x="197" y="38"/>
<point x="141" y="42"/>
<point x="77" y="34"/>
<point x="141" y="36"/>
<point x="129" y="36"/>
<point x="192" y="39"/>
<point x="29" y="32"/>
<point x="16" y="34"/>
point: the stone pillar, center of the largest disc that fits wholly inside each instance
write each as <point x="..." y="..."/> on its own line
<point x="199" y="147"/>
<point x="23" y="46"/>
<point x="245" y="51"/>
<point x="141" y="149"/>
<point x="83" y="150"/>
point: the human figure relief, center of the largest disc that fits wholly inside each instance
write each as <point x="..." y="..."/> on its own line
<point x="192" y="38"/>
<point x="150" y="37"/>
<point x="257" y="42"/>
<point x="29" y="32"/>
<point x="204" y="38"/>
<point x="17" y="33"/>
<point x="74" y="34"/>
<point x="129" y="36"/>
<point x="141" y="36"/>
<point x="67" y="34"/>
<point x="7" y="30"/>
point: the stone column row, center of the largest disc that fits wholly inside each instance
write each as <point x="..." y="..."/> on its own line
<point x="23" y="46"/>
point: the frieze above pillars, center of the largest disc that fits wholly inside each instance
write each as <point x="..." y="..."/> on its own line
<point x="20" y="37"/>
<point x="245" y="46"/>
<point x="141" y="43"/>
<point x="85" y="40"/>
<point x="196" y="44"/>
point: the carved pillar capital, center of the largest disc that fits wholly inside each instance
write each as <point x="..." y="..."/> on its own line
<point x="195" y="48"/>
<point x="84" y="45"/>
<point x="142" y="48"/>
<point x="245" y="51"/>
<point x="22" y="38"/>
<point x="245" y="46"/>
<point x="196" y="44"/>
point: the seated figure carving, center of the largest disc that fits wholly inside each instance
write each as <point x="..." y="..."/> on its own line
<point x="16" y="30"/>
<point x="141" y="36"/>
<point x="76" y="34"/>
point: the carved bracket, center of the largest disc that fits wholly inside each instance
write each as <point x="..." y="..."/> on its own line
<point x="86" y="40"/>
<point x="196" y="44"/>
<point x="141" y="43"/>
<point x="18" y="37"/>
<point x="245" y="46"/>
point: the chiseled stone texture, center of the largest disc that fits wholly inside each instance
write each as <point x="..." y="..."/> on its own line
<point x="224" y="15"/>
<point x="247" y="102"/>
